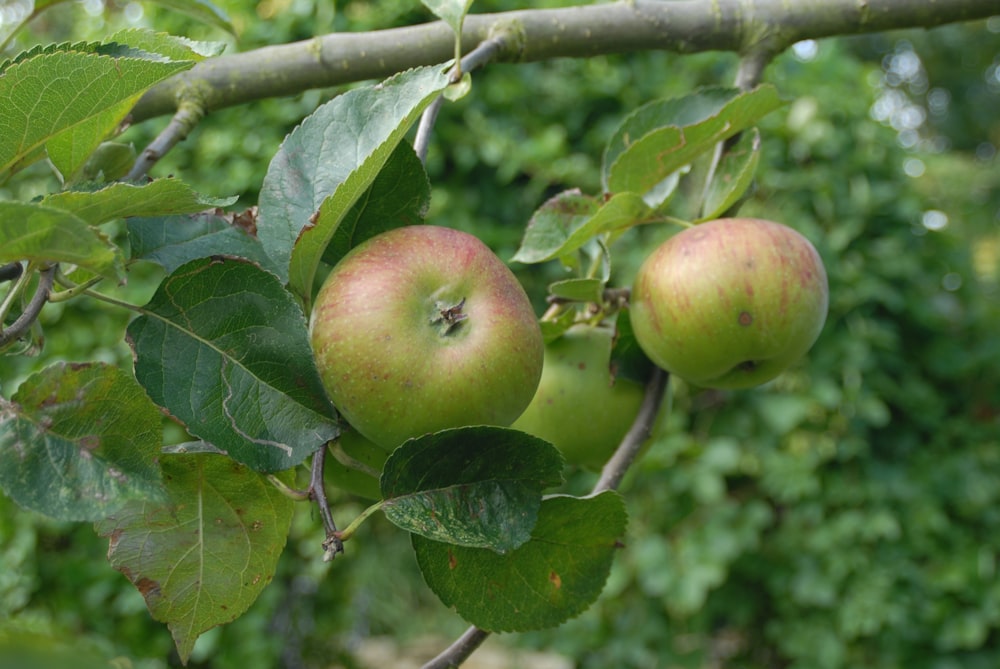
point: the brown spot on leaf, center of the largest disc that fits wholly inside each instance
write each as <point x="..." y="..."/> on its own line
<point x="148" y="588"/>
<point x="555" y="580"/>
<point x="452" y="562"/>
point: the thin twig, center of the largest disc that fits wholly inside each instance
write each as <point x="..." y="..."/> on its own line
<point x="484" y="52"/>
<point x="458" y="652"/>
<point x="615" y="468"/>
<point x="33" y="308"/>
<point x="183" y="122"/>
<point x="611" y="477"/>
<point x="332" y="544"/>
<point x="11" y="271"/>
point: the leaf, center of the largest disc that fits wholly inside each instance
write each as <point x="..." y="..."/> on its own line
<point x="561" y="227"/>
<point x="473" y="486"/>
<point x="399" y="195"/>
<point x="451" y="12"/>
<point x="224" y="347"/>
<point x="172" y="241"/>
<point x="552" y="224"/>
<point x="578" y="290"/>
<point x="203" y="11"/>
<point x="45" y="234"/>
<point x="52" y="93"/>
<point x="733" y="176"/>
<point x="159" y="197"/>
<point x="328" y="162"/>
<point x="69" y="150"/>
<point x="664" y="136"/>
<point x="110" y="161"/>
<point x="78" y="441"/>
<point x="552" y="578"/>
<point x="202" y="558"/>
<point x="173" y="47"/>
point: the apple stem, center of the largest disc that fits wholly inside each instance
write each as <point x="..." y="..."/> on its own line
<point x="332" y="544"/>
<point x="449" y="317"/>
<point x="349" y="531"/>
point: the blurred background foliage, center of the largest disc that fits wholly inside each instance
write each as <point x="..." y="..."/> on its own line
<point x="846" y="515"/>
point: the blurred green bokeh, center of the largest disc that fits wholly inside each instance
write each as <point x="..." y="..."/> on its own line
<point x="846" y="515"/>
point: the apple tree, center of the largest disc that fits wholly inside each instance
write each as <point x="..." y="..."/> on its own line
<point x="277" y="362"/>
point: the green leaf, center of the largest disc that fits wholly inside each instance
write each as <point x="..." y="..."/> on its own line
<point x="202" y="558"/>
<point x="160" y="197"/>
<point x="69" y="150"/>
<point x="175" y="240"/>
<point x="553" y="223"/>
<point x="473" y="486"/>
<point x="664" y="136"/>
<point x="451" y="12"/>
<point x="329" y="161"/>
<point x="52" y="93"/>
<point x="224" y="347"/>
<point x="173" y="47"/>
<point x="552" y="578"/>
<point x="563" y="225"/>
<point x="578" y="290"/>
<point x="201" y="10"/>
<point x="79" y="441"/>
<point x="45" y="234"/>
<point x="110" y="161"/>
<point x="399" y="195"/>
<point x="733" y="176"/>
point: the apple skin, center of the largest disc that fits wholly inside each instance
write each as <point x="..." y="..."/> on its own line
<point x="730" y="303"/>
<point x="580" y="406"/>
<point x="424" y="328"/>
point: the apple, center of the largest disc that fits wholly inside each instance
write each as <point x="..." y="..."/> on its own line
<point x="581" y="406"/>
<point x="424" y="328"/>
<point x="730" y="303"/>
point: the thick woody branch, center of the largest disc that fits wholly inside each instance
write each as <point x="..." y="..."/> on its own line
<point x="688" y="26"/>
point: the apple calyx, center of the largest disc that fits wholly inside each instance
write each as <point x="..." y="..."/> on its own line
<point x="449" y="318"/>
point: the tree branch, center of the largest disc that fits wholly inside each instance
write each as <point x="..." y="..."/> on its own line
<point x="684" y="27"/>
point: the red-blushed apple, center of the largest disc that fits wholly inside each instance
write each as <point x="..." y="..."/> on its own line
<point x="730" y="303"/>
<point x="424" y="328"/>
<point x="581" y="405"/>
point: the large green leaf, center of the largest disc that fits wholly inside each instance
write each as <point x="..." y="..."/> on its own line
<point x="472" y="486"/>
<point x="329" y="161"/>
<point x="224" y="347"/>
<point x="160" y="197"/>
<point x="174" y="240"/>
<point x="78" y="441"/>
<point x="664" y="136"/>
<point x="557" y="575"/>
<point x="52" y="93"/>
<point x="202" y="558"/>
<point x="46" y="234"/>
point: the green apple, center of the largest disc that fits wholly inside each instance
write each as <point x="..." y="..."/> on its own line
<point x="424" y="328"/>
<point x="730" y="303"/>
<point x="580" y="406"/>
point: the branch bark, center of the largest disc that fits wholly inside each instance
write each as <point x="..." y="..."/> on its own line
<point x="687" y="26"/>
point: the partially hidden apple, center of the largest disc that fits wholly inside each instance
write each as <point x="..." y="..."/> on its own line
<point x="424" y="328"/>
<point x="581" y="405"/>
<point x="730" y="303"/>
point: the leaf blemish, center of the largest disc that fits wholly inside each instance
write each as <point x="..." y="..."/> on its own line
<point x="452" y="562"/>
<point x="555" y="580"/>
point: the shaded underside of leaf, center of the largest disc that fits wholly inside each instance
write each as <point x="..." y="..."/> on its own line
<point x="79" y="441"/>
<point x="553" y="577"/>
<point x="202" y="558"/>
